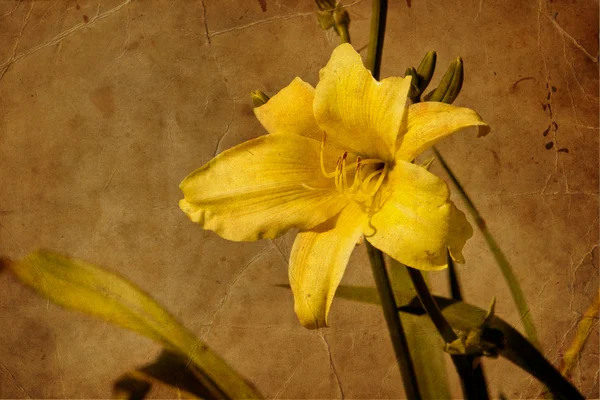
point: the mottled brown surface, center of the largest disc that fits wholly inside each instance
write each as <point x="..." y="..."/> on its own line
<point x="106" y="105"/>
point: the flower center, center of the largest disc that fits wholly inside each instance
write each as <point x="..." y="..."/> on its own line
<point x="365" y="171"/>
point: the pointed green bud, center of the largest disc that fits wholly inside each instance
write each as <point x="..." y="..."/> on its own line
<point x="259" y="98"/>
<point x="456" y="84"/>
<point x="414" y="93"/>
<point x="426" y="70"/>
<point x="451" y="84"/>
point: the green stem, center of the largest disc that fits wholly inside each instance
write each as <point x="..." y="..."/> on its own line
<point x="507" y="271"/>
<point x="431" y="306"/>
<point x="471" y="378"/>
<point x="378" y="18"/>
<point x="390" y="312"/>
<point x="344" y="33"/>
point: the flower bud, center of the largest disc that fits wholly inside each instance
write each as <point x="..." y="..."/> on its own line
<point x="414" y="93"/>
<point x="451" y="84"/>
<point x="426" y="69"/>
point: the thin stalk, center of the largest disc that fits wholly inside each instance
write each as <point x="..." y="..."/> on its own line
<point x="390" y="311"/>
<point x="378" y="18"/>
<point x="431" y="306"/>
<point x="472" y="379"/>
<point x="344" y="33"/>
<point x="507" y="271"/>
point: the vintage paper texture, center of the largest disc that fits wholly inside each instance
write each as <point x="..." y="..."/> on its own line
<point x="106" y="105"/>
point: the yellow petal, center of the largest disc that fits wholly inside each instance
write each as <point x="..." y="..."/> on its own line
<point x="430" y="122"/>
<point x="357" y="112"/>
<point x="291" y="111"/>
<point x="460" y="231"/>
<point x="416" y="222"/>
<point x="255" y="190"/>
<point x="318" y="261"/>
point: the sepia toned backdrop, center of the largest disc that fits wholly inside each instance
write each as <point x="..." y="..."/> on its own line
<point x="106" y="105"/>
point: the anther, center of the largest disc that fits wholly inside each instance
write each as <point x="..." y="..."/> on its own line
<point x="344" y="177"/>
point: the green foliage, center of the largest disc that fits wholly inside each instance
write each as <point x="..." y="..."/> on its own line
<point x="495" y="337"/>
<point x="80" y="286"/>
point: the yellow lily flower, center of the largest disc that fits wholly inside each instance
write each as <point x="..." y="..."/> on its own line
<point x="336" y="165"/>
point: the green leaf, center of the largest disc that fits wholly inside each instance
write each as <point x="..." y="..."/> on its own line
<point x="80" y="286"/>
<point x="424" y="343"/>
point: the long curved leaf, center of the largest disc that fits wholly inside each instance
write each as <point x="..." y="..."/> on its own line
<point x="84" y="287"/>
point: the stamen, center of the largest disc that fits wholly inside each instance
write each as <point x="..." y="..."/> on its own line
<point x="344" y="177"/>
<point x="340" y="174"/>
<point x="356" y="183"/>
<point x="365" y="182"/>
<point x="337" y="175"/>
<point x="325" y="173"/>
<point x="379" y="181"/>
<point x="365" y="162"/>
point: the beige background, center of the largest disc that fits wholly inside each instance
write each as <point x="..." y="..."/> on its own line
<point x="106" y="105"/>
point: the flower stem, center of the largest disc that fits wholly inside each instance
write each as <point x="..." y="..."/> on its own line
<point x="431" y="306"/>
<point x="344" y="33"/>
<point x="472" y="379"/>
<point x="390" y="311"/>
<point x="378" y="18"/>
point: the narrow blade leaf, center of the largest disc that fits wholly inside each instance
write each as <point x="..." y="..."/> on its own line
<point x="83" y="287"/>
